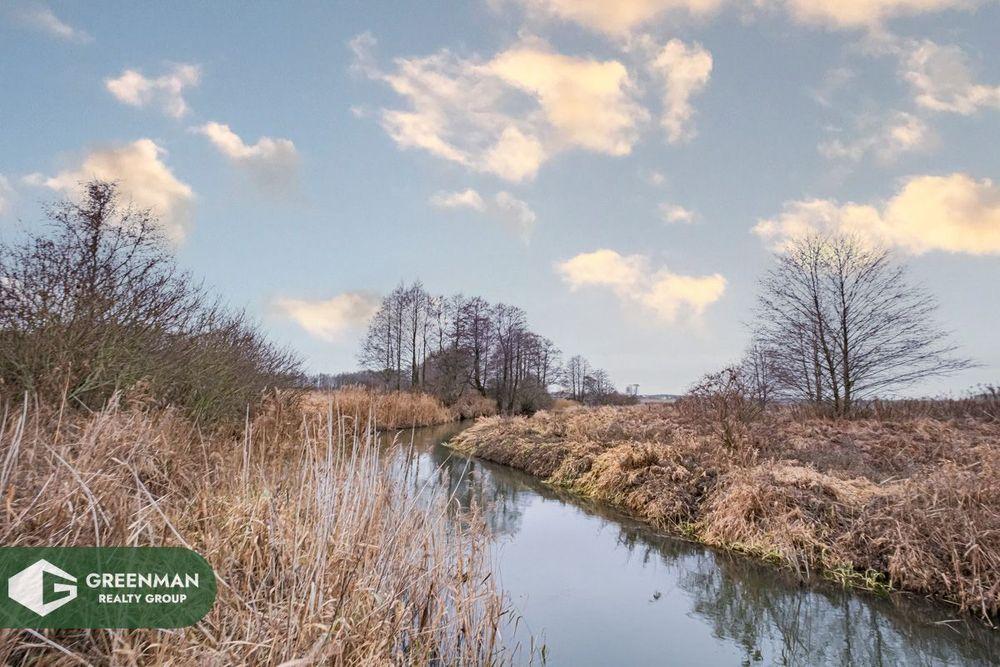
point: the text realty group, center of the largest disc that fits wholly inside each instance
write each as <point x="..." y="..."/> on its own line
<point x="126" y="580"/>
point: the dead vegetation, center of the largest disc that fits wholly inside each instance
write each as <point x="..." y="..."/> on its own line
<point x="899" y="503"/>
<point x="323" y="554"/>
<point x="397" y="409"/>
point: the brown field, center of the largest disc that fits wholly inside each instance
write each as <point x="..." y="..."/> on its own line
<point x="322" y="555"/>
<point x="397" y="409"/>
<point x="909" y="503"/>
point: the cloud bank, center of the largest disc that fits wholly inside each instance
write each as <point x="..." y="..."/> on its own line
<point x="510" y="114"/>
<point x="668" y="295"/>
<point x="954" y="213"/>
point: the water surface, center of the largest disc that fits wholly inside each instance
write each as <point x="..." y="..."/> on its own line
<point x="600" y="589"/>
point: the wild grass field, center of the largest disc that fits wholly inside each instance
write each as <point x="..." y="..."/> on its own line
<point x="906" y="501"/>
<point x="323" y="554"/>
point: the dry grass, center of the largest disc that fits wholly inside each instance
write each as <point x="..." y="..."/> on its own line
<point x="389" y="410"/>
<point x="324" y="556"/>
<point x="472" y="405"/>
<point x="564" y="404"/>
<point x="910" y="503"/>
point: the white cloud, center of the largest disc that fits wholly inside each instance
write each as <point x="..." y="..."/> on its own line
<point x="616" y="17"/>
<point x="953" y="213"/>
<point x="143" y="178"/>
<point x="942" y="81"/>
<point x="674" y="213"/>
<point x="330" y="319"/>
<point x="273" y="163"/>
<point x="467" y="198"/>
<point x="684" y="72"/>
<point x="667" y="294"/>
<point x="508" y="115"/>
<point x="165" y="91"/>
<point x="42" y="18"/>
<point x="515" y="156"/>
<point x="504" y="207"/>
<point x="862" y="13"/>
<point x="885" y="138"/>
<point x="587" y="102"/>
<point x="603" y="267"/>
<point x="622" y="18"/>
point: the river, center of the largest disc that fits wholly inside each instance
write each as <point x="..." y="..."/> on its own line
<point x="600" y="589"/>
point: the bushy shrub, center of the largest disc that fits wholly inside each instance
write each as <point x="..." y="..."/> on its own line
<point x="725" y="401"/>
<point x="96" y="305"/>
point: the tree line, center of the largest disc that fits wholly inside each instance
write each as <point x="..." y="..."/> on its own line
<point x="452" y="345"/>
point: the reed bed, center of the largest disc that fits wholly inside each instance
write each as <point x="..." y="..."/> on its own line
<point x="910" y="503"/>
<point x="389" y="410"/>
<point x="398" y="409"/>
<point x="323" y="554"/>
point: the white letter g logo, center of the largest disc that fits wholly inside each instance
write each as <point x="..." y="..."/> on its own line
<point x="28" y="587"/>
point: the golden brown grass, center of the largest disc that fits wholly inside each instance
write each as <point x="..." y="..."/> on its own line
<point x="912" y="503"/>
<point x="323" y="555"/>
<point x="472" y="405"/>
<point x="563" y="404"/>
<point x="389" y="410"/>
<point x="398" y="409"/>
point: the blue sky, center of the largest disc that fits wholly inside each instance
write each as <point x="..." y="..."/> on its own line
<point x="622" y="171"/>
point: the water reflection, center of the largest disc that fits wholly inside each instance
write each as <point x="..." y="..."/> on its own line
<point x="603" y="589"/>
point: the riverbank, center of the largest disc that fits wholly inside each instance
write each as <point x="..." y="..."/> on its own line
<point x="396" y="409"/>
<point x="323" y="553"/>
<point x="910" y="504"/>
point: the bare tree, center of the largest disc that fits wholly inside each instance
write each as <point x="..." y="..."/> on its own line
<point x="760" y="372"/>
<point x="842" y="323"/>
<point x="96" y="304"/>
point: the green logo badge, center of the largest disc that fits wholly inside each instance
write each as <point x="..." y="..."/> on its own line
<point x="104" y="587"/>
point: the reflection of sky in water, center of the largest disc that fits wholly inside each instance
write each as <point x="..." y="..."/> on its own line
<point x="600" y="589"/>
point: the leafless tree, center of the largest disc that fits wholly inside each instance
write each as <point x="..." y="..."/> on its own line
<point x="842" y="323"/>
<point x="451" y="346"/>
<point x="760" y="372"/>
<point x="96" y="304"/>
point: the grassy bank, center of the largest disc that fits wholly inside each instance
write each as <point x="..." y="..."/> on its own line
<point x="397" y="409"/>
<point x="323" y="556"/>
<point x="908" y="503"/>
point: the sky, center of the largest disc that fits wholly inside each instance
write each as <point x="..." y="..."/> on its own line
<point x="623" y="171"/>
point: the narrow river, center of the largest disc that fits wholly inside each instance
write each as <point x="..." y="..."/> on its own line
<point x="600" y="589"/>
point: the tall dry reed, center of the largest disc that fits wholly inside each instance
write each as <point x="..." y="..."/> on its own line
<point x="389" y="410"/>
<point x="323" y="554"/>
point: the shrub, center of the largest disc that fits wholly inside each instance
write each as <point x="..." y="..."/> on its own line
<point x="724" y="401"/>
<point x="98" y="305"/>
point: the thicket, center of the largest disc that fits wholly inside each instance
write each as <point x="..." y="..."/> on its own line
<point x="94" y="303"/>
